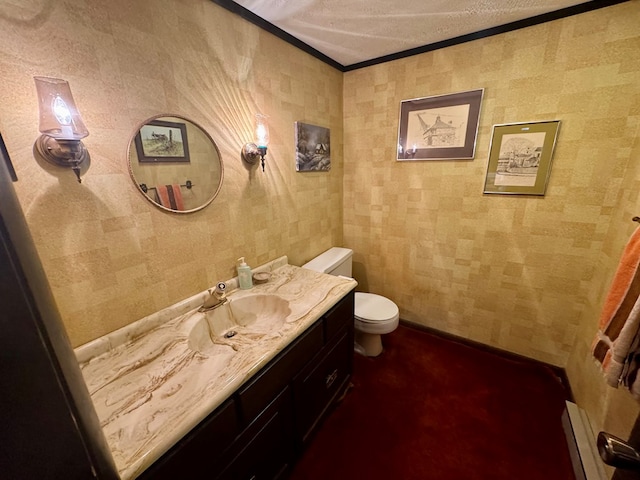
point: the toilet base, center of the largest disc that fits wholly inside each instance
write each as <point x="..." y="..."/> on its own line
<point x="371" y="343"/>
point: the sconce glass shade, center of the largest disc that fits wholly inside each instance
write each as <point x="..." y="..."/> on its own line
<point x="251" y="152"/>
<point x="59" y="116"/>
<point x="262" y="131"/>
<point x="61" y="125"/>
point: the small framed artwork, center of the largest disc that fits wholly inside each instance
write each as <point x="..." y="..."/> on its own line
<point x="313" y="148"/>
<point x="520" y="157"/>
<point x="443" y="127"/>
<point x="162" y="141"/>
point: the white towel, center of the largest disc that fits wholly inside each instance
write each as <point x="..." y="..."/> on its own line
<point x="617" y="346"/>
<point x="623" y="365"/>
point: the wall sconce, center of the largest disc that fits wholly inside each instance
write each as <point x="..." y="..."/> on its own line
<point x="61" y="125"/>
<point x="252" y="151"/>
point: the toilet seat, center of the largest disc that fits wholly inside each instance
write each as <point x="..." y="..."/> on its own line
<point x="373" y="308"/>
<point x="375" y="313"/>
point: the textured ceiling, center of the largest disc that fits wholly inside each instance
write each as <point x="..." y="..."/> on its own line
<point x="355" y="31"/>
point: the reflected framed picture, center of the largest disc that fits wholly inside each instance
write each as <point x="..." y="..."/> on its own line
<point x="442" y="127"/>
<point x="162" y="141"/>
<point x="313" y="148"/>
<point x="520" y="157"/>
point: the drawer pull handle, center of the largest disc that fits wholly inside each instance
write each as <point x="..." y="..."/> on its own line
<point x="331" y="378"/>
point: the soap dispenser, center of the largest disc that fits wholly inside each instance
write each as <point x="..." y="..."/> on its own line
<point x="244" y="275"/>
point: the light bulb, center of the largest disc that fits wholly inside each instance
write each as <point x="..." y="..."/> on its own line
<point x="61" y="111"/>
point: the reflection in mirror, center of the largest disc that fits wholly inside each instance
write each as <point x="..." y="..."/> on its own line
<point x="175" y="164"/>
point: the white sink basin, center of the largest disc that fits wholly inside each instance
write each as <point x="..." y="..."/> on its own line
<point x="239" y="321"/>
<point x="259" y="312"/>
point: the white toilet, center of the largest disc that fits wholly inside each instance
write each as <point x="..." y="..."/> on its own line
<point x="374" y="315"/>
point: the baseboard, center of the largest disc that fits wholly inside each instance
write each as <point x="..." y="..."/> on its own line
<point x="559" y="372"/>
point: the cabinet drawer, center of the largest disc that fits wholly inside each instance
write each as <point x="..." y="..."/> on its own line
<point x="259" y="392"/>
<point x="315" y="388"/>
<point x="339" y="316"/>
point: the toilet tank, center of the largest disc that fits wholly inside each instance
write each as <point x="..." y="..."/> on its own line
<point x="335" y="261"/>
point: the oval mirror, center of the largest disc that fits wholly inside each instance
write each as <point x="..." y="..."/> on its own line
<point x="175" y="164"/>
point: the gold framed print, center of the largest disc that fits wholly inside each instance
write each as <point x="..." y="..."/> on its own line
<point x="520" y="157"/>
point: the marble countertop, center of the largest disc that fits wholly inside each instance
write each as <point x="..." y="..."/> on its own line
<point x="150" y="386"/>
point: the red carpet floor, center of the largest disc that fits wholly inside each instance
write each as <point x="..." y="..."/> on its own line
<point x="432" y="408"/>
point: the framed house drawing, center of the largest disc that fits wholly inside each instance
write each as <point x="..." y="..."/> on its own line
<point x="443" y="127"/>
<point x="520" y="157"/>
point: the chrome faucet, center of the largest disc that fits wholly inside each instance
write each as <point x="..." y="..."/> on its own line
<point x="215" y="299"/>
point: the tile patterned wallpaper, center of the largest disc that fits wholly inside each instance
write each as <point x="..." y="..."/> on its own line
<point x="525" y="274"/>
<point x="111" y="257"/>
<point x="612" y="410"/>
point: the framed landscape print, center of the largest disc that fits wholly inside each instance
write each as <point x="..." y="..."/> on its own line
<point x="443" y="127"/>
<point x="162" y="141"/>
<point x="520" y="157"/>
<point x="313" y="148"/>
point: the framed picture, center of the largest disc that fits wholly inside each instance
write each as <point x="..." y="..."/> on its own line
<point x="443" y="127"/>
<point x="162" y="141"/>
<point x="520" y="157"/>
<point x="313" y="148"/>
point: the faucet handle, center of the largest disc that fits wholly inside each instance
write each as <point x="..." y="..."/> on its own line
<point x="216" y="298"/>
<point x="220" y="288"/>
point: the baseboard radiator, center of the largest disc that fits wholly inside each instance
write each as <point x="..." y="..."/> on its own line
<point x="587" y="464"/>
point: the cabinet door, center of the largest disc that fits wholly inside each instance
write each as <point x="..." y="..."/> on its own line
<point x="339" y="317"/>
<point x="260" y="391"/>
<point x="319" y="384"/>
<point x="267" y="450"/>
<point x="202" y="451"/>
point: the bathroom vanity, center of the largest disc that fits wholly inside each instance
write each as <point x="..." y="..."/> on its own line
<point x="176" y="393"/>
<point x="259" y="431"/>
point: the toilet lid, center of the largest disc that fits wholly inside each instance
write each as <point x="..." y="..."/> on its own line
<point x="374" y="308"/>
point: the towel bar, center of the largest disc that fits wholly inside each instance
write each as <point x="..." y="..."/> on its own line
<point x="145" y="188"/>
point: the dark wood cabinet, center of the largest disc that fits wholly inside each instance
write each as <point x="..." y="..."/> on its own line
<point x="267" y="383"/>
<point x="210" y="440"/>
<point x="261" y="429"/>
<point x="266" y="447"/>
<point x="317" y="386"/>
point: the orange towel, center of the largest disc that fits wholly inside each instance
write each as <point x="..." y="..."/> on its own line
<point x="616" y="346"/>
<point x="170" y="196"/>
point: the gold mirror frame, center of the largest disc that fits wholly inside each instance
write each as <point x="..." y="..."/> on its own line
<point x="160" y="162"/>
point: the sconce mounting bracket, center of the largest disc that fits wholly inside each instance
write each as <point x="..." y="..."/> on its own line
<point x="250" y="153"/>
<point x="63" y="153"/>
